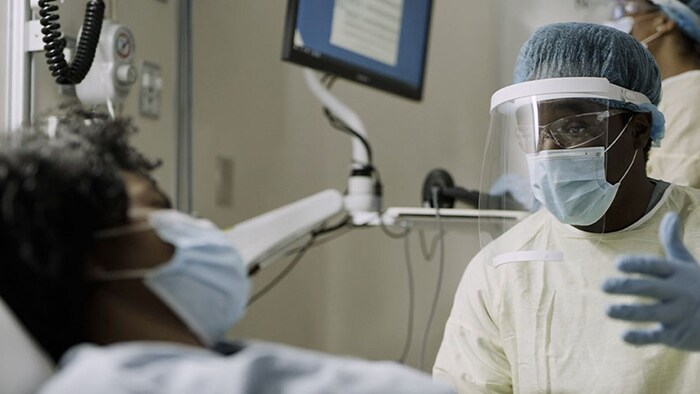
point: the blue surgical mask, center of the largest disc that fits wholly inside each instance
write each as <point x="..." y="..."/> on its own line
<point x="571" y="183"/>
<point x="623" y="24"/>
<point x="204" y="283"/>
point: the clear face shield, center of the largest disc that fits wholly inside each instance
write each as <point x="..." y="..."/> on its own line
<point x="547" y="149"/>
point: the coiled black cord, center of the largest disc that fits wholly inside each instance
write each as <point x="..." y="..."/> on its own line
<point x="54" y="42"/>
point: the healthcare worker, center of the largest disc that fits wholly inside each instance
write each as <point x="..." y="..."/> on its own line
<point x="670" y="29"/>
<point x="528" y="315"/>
<point x="131" y="299"/>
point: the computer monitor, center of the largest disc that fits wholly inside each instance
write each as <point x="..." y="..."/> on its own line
<point x="378" y="43"/>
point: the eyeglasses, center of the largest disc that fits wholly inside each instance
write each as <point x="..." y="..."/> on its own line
<point x="570" y="131"/>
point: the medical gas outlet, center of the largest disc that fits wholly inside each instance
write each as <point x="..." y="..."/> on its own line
<point x="112" y="73"/>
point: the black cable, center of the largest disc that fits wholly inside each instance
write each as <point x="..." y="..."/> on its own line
<point x="299" y="253"/>
<point x="344" y="222"/>
<point x="376" y="174"/>
<point x="328" y="80"/>
<point x="328" y="238"/>
<point x="411" y="286"/>
<point x="54" y="43"/>
<point x="411" y="302"/>
<point x="368" y="224"/>
<point x="441" y="271"/>
<point x="318" y="242"/>
<point x="390" y="233"/>
<point x="338" y="124"/>
<point x="378" y="187"/>
<point x="428" y="253"/>
<point x="282" y="273"/>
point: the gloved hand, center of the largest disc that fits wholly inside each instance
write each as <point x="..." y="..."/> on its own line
<point x="674" y="281"/>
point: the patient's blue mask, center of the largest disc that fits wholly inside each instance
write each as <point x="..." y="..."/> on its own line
<point x="571" y="183"/>
<point x="204" y="282"/>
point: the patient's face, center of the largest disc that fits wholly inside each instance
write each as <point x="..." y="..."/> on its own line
<point x="126" y="310"/>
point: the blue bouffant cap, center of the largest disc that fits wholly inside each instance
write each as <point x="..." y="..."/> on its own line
<point x="566" y="50"/>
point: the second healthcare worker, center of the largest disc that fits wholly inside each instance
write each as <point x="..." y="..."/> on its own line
<point x="670" y="29"/>
<point x="529" y="315"/>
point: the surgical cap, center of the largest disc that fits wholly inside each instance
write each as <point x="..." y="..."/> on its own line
<point x="686" y="14"/>
<point x="565" y="50"/>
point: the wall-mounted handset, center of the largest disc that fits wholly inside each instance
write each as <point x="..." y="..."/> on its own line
<point x="73" y="73"/>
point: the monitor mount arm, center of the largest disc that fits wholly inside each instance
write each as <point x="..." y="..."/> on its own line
<point x="266" y="237"/>
<point x="361" y="199"/>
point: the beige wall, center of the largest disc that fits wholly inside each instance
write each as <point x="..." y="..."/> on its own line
<point x="348" y="296"/>
<point x="154" y="24"/>
<point x="518" y="19"/>
<point x="3" y="62"/>
<point x="241" y="102"/>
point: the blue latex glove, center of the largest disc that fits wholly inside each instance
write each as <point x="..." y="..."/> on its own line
<point x="674" y="281"/>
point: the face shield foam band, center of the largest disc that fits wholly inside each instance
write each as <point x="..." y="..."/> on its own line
<point x="586" y="87"/>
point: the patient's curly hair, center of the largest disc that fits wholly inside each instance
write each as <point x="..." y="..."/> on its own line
<point x="109" y="136"/>
<point x="55" y="192"/>
<point x="111" y="139"/>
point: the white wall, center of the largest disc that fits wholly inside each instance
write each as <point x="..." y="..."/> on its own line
<point x="518" y="19"/>
<point x="348" y="296"/>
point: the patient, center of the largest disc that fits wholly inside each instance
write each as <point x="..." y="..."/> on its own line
<point x="135" y="299"/>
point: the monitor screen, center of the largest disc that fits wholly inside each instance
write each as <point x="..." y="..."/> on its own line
<point x="379" y="43"/>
